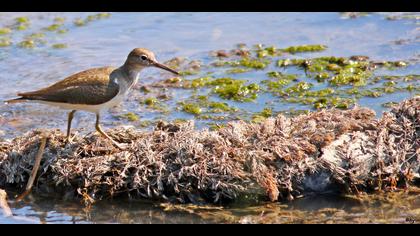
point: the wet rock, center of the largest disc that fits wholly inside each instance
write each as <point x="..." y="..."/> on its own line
<point x="220" y="53"/>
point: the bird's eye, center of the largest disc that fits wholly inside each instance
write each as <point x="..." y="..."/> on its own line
<point x="143" y="57"/>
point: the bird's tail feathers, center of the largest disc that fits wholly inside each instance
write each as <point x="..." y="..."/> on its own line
<point x="16" y="100"/>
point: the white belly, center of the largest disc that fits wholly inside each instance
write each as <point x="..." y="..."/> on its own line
<point x="90" y="108"/>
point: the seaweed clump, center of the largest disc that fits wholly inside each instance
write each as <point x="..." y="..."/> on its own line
<point x="277" y="159"/>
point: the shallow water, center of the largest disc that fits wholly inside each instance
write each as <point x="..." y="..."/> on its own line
<point x="191" y="35"/>
<point x="391" y="208"/>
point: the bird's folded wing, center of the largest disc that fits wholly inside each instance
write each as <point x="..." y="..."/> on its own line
<point x="91" y="87"/>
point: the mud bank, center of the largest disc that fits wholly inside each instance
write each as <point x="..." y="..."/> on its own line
<point x="278" y="159"/>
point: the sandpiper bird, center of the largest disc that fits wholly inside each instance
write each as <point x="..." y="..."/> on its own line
<point x="96" y="89"/>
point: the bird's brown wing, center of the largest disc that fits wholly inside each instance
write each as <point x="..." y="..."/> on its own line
<point x="91" y="87"/>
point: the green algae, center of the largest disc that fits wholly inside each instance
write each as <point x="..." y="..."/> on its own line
<point x="200" y="82"/>
<point x="299" y="87"/>
<point x="237" y="70"/>
<point x="22" y="19"/>
<point x="355" y="71"/>
<point x="268" y="51"/>
<point x="290" y="62"/>
<point x="254" y="63"/>
<point x="79" y="22"/>
<point x="82" y="22"/>
<point x="262" y="115"/>
<point x="201" y="105"/>
<point x="173" y="80"/>
<point x="59" y="20"/>
<point x="59" y="45"/>
<point x="21" y="27"/>
<point x="258" y="64"/>
<point x="344" y="71"/>
<point x="188" y="72"/>
<point x="5" y="42"/>
<point x="337" y="102"/>
<point x="36" y="35"/>
<point x="281" y="81"/>
<point x="370" y="93"/>
<point x="156" y="105"/>
<point x="227" y="88"/>
<point x="21" y="23"/>
<point x="191" y="108"/>
<point x="266" y="112"/>
<point x="321" y="77"/>
<point x="53" y="27"/>
<point x="130" y="116"/>
<point x="273" y="51"/>
<point x="5" y="31"/>
<point x="27" y="44"/>
<point x="276" y="85"/>
<point x="217" y="107"/>
<point x="62" y="31"/>
<point x="304" y="48"/>
<point x="237" y="90"/>
<point x="151" y="101"/>
<point x="389" y="104"/>
<point x="279" y="75"/>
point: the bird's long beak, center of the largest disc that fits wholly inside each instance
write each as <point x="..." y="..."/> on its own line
<point x="162" y="66"/>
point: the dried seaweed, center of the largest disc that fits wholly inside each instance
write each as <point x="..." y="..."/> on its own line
<point x="278" y="159"/>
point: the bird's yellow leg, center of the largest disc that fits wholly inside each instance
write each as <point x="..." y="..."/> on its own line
<point x="99" y="129"/>
<point x="68" y="138"/>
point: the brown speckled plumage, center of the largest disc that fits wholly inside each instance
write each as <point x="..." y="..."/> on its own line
<point x="89" y="87"/>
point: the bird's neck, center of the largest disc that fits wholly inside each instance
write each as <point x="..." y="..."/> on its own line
<point x="130" y="74"/>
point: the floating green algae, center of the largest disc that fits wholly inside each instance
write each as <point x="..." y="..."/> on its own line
<point x="59" y="45"/>
<point x="22" y="19"/>
<point x="53" y="27"/>
<point x="258" y="64"/>
<point x="188" y="72"/>
<point x="27" y="44"/>
<point x="299" y="87"/>
<point x="79" y="22"/>
<point x="151" y="101"/>
<point x="305" y="48"/>
<point x="59" y="20"/>
<point x="130" y="116"/>
<point x="62" y="31"/>
<point x="200" y="104"/>
<point x="227" y="88"/>
<point x="235" y="89"/>
<point x="281" y="81"/>
<point x="5" y="42"/>
<point x="5" y="31"/>
<point x="279" y="75"/>
<point x="220" y="107"/>
<point x="191" y="108"/>
<point x="262" y="115"/>
<point x="254" y="63"/>
<point x="90" y="18"/>
<point x="36" y="35"/>
<point x="237" y="70"/>
<point x="389" y="104"/>
<point x="326" y="81"/>
<point x="21" y="23"/>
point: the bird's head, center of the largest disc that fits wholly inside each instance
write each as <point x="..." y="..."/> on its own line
<point x="141" y="58"/>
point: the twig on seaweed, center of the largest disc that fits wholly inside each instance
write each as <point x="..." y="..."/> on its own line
<point x="3" y="204"/>
<point x="34" y="169"/>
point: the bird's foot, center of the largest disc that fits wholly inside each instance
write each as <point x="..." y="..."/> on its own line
<point x="69" y="139"/>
